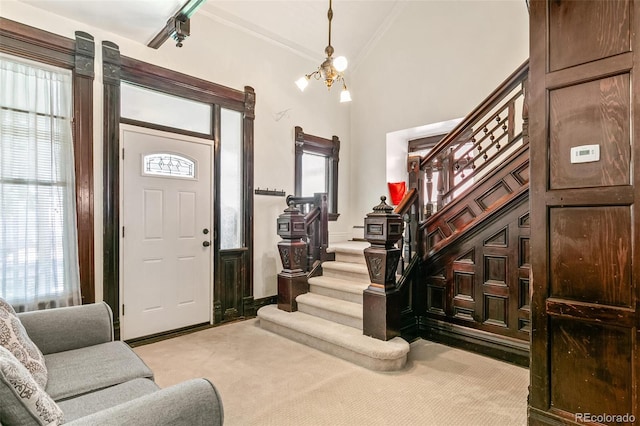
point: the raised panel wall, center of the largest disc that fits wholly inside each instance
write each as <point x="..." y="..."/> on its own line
<point x="595" y="112"/>
<point x="479" y="284"/>
<point x="583" y="88"/>
<point x="583" y="31"/>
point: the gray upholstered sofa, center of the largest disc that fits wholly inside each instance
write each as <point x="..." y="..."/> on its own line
<point x="95" y="380"/>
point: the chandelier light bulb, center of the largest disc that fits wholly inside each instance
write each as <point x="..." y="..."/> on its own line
<point x="340" y="63"/>
<point x="330" y="70"/>
<point x="345" y="96"/>
<point x="302" y="83"/>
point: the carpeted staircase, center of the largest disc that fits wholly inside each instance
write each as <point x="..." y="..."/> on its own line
<point x="329" y="317"/>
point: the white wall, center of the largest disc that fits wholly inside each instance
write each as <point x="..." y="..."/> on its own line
<point x="231" y="57"/>
<point x="437" y="62"/>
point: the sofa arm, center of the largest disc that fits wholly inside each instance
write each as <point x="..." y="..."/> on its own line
<point x="191" y="403"/>
<point x="63" y="329"/>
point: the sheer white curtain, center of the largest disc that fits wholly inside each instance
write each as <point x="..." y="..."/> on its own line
<point x="38" y="233"/>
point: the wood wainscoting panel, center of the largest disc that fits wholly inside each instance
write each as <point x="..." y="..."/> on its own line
<point x="584" y="253"/>
<point x="590" y="368"/>
<point x="582" y="31"/>
<point x="461" y="219"/>
<point x="479" y="285"/>
<point x="590" y="254"/>
<point x="495" y="193"/>
<point x="592" y="113"/>
<point x="229" y="296"/>
<point x="436" y="292"/>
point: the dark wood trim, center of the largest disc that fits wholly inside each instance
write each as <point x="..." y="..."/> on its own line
<point x="83" y="152"/>
<point x="158" y="337"/>
<point x="111" y="179"/>
<point x="538" y="214"/>
<point x="591" y="312"/>
<point x="248" y="125"/>
<point x="176" y="84"/>
<point x="539" y="417"/>
<point x="217" y="261"/>
<point x="329" y="148"/>
<point x="426" y="142"/>
<point x="168" y="129"/>
<point x="264" y="301"/>
<point x="591" y="71"/>
<point x="35" y="44"/>
<point x="77" y="55"/>
<point x="478" y="341"/>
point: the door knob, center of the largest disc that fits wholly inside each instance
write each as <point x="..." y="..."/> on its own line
<point x="206" y="244"/>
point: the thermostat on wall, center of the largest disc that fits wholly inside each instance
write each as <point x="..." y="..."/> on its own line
<point x="585" y="154"/>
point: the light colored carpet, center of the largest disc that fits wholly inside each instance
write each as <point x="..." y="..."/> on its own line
<point x="266" y="379"/>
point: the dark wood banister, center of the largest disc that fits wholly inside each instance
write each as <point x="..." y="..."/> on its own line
<point x="305" y="237"/>
<point x="406" y="286"/>
<point x="407" y="201"/>
<point x="403" y="208"/>
<point x="508" y="85"/>
<point x="317" y="219"/>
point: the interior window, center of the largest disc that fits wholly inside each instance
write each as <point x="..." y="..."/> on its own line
<point x="316" y="168"/>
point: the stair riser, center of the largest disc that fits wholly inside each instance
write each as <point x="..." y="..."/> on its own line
<point x="335" y="350"/>
<point x="346" y="275"/>
<point x="330" y="315"/>
<point x="336" y="294"/>
<point x="350" y="258"/>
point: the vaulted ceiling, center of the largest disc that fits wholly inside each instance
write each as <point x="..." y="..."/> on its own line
<point x="299" y="25"/>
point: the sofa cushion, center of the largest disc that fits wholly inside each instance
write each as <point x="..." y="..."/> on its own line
<point x="14" y="337"/>
<point x="84" y="405"/>
<point x="23" y="400"/>
<point x="76" y="372"/>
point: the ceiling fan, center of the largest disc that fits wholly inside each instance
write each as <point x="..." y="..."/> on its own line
<point x="178" y="26"/>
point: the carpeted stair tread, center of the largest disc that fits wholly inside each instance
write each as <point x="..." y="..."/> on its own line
<point x="348" y="251"/>
<point x="332" y="309"/>
<point x="338" y="284"/>
<point x="350" y="270"/>
<point x="337" y="288"/>
<point x="340" y="340"/>
<point x="353" y="247"/>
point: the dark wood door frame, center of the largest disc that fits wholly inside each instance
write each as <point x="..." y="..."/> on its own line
<point x="117" y="68"/>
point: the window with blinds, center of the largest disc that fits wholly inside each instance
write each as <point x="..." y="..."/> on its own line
<point x="38" y="235"/>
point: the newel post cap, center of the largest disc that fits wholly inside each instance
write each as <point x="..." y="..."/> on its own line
<point x="383" y="227"/>
<point x="291" y="223"/>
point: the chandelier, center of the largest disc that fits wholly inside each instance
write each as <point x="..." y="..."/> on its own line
<point x="331" y="70"/>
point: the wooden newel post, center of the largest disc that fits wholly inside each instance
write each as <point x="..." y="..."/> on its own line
<point x="381" y="304"/>
<point x="292" y="281"/>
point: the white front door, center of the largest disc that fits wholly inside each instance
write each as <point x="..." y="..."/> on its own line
<point x="166" y="219"/>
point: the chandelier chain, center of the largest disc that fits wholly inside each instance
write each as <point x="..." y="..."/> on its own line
<point x="330" y="16"/>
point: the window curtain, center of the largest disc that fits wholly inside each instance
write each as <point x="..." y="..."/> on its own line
<point x="38" y="232"/>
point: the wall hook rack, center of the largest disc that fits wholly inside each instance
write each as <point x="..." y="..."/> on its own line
<point x="272" y="192"/>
